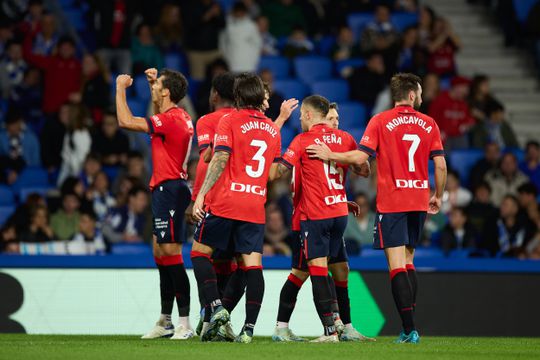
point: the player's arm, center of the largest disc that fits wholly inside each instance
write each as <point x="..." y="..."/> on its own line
<point x="278" y="170"/>
<point x="207" y="154"/>
<point x="215" y="169"/>
<point x="151" y="77"/>
<point x="285" y="111"/>
<point x="126" y="120"/>
<point x="440" y="182"/>
<point x="321" y="151"/>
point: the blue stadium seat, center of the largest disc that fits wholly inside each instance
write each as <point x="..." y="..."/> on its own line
<point x="325" y="44"/>
<point x="352" y="114"/>
<point x="519" y="153"/>
<point x="291" y="89"/>
<point x="193" y="88"/>
<point x="77" y="18"/>
<point x="522" y="8"/>
<point x="111" y="172"/>
<point x="138" y="107"/>
<point x="459" y="254"/>
<point x="404" y="20"/>
<point x="173" y="61"/>
<point x="357" y="22"/>
<point x="335" y="90"/>
<point x="6" y="196"/>
<point x="130" y="249"/>
<point x="278" y="65"/>
<point x="31" y="177"/>
<point x="368" y="251"/>
<point x="142" y="89"/>
<point x="353" y="62"/>
<point x="312" y="68"/>
<point x="41" y="190"/>
<point x="463" y="160"/>
<point x="5" y="213"/>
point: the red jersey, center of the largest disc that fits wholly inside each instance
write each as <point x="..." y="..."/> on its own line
<point x="254" y="143"/>
<point x="451" y="114"/>
<point x="403" y="141"/>
<point x="296" y="190"/>
<point x="171" y="134"/>
<point x="206" y="131"/>
<point x="323" y="182"/>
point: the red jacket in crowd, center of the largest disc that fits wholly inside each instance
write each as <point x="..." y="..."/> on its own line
<point x="452" y="116"/>
<point x="61" y="76"/>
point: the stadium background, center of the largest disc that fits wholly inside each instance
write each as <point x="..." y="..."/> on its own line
<point x="55" y="125"/>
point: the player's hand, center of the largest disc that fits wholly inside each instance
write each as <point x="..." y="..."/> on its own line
<point x="151" y="75"/>
<point x="123" y="81"/>
<point x="198" y="208"/>
<point x="434" y="205"/>
<point x="287" y="107"/>
<point x="319" y="151"/>
<point x="363" y="170"/>
<point x="353" y="208"/>
<point x="188" y="214"/>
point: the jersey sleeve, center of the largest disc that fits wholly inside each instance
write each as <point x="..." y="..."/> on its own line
<point x="160" y="124"/>
<point x="436" y="148"/>
<point x="204" y="134"/>
<point x="293" y="154"/>
<point x="277" y="156"/>
<point x="224" y="136"/>
<point x="370" y="141"/>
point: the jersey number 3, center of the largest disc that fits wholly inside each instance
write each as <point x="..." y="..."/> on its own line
<point x="259" y="157"/>
<point x="412" y="150"/>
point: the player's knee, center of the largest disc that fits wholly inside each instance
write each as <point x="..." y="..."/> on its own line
<point x="340" y="271"/>
<point x="201" y="248"/>
<point x="170" y="249"/>
<point x="302" y="275"/>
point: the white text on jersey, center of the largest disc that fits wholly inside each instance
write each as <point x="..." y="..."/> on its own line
<point x="408" y="120"/>
<point x="330" y="139"/>
<point x="335" y="199"/>
<point x="411" y="184"/>
<point x="259" y="125"/>
<point x="247" y="188"/>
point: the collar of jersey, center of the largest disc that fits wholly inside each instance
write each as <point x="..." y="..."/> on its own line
<point x="399" y="108"/>
<point x="320" y="124"/>
<point x="254" y="113"/>
<point x="169" y="109"/>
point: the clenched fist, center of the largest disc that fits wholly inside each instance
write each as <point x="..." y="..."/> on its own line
<point x="151" y="75"/>
<point x="123" y="81"/>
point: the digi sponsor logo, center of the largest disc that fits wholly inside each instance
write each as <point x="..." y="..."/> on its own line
<point x="156" y="120"/>
<point x="247" y="188"/>
<point x="411" y="184"/>
<point x="335" y="199"/>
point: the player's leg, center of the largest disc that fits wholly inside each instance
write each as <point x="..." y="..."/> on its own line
<point x="415" y="226"/>
<point x="235" y="287"/>
<point x="411" y="273"/>
<point x="164" y="326"/>
<point x="249" y="239"/>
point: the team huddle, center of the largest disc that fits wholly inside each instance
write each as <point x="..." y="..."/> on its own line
<point x="240" y="152"/>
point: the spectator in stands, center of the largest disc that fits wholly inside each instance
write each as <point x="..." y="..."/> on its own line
<point x="217" y="67"/>
<point x="481" y="209"/>
<point x="62" y="72"/>
<point x="372" y="74"/>
<point x="77" y="143"/>
<point x="452" y="114"/>
<point x="19" y="147"/>
<point x="204" y="20"/>
<point x="135" y="168"/>
<point x="46" y="39"/>
<point x="494" y="128"/>
<point x="27" y="98"/>
<point x="284" y="17"/>
<point x="298" y="44"/>
<point x="506" y="179"/>
<point x="144" y="52"/>
<point x="408" y="54"/>
<point x="124" y="187"/>
<point x="88" y="240"/>
<point x="425" y="26"/>
<point x="254" y="10"/>
<point x="33" y="16"/>
<point x="95" y="92"/>
<point x="39" y="230"/>
<point x="527" y="195"/>
<point x="430" y="90"/>
<point x="126" y="224"/>
<point x="110" y="143"/>
<point x="269" y="42"/>
<point x="276" y="99"/>
<point x="112" y="22"/>
<point x="458" y="233"/>
<point x="240" y="41"/>
<point x="9" y="243"/>
<point x="65" y="222"/>
<point x="52" y="138"/>
<point x="169" y="29"/>
<point x="442" y="49"/>
<point x="276" y="235"/>
<point x="382" y="36"/>
<point x="6" y="35"/>
<point x="410" y="6"/>
<point x="99" y="195"/>
<point x="345" y="46"/>
<point x="359" y="229"/>
<point x="480" y="97"/>
<point x="531" y="165"/>
<point x="454" y="195"/>
<point x="532" y="250"/>
<point x="490" y="162"/>
<point x="20" y="219"/>
<point x="12" y="68"/>
<point x="509" y="233"/>
<point x="91" y="167"/>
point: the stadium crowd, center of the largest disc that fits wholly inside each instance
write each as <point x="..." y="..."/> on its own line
<point x="58" y="122"/>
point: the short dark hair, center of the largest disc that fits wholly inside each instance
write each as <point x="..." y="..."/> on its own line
<point x="401" y="84"/>
<point x="319" y="103"/>
<point x="176" y="83"/>
<point x="248" y="91"/>
<point x="494" y="106"/>
<point x="532" y="143"/>
<point x="14" y="115"/>
<point x="528" y="188"/>
<point x="460" y="209"/>
<point x="135" y="190"/>
<point x="90" y="213"/>
<point x="134" y="154"/>
<point x="482" y="184"/>
<point x="66" y="40"/>
<point x="334" y="106"/>
<point x="223" y="84"/>
<point x="239" y="6"/>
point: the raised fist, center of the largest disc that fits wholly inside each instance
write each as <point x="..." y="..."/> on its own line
<point x="123" y="81"/>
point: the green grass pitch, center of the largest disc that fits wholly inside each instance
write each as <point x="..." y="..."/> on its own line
<point x="42" y="347"/>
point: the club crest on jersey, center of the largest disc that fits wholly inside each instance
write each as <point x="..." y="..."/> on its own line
<point x="248" y="188"/>
<point x="411" y="184"/>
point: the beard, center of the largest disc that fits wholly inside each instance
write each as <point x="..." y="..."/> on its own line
<point x="417" y="104"/>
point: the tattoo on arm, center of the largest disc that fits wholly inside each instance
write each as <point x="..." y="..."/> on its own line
<point x="282" y="169"/>
<point x="215" y="169"/>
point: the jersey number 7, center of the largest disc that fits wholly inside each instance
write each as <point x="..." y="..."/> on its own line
<point x="412" y="150"/>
